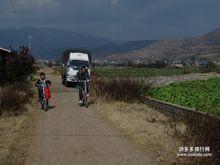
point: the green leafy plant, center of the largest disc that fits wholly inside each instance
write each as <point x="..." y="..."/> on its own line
<point x="202" y="95"/>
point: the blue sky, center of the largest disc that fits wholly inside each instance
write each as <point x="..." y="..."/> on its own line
<point x="115" y="19"/>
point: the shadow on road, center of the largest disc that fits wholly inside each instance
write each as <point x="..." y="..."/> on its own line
<point x="51" y="107"/>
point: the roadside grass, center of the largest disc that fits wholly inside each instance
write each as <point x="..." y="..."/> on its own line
<point x="15" y="121"/>
<point x="118" y="89"/>
<point x="139" y="72"/>
<point x="14" y="98"/>
<point x="13" y="140"/>
<point x="56" y="70"/>
<point x="145" y="126"/>
<point x="119" y="102"/>
<point x="153" y="132"/>
<point x="201" y="95"/>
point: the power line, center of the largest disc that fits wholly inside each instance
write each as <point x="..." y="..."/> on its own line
<point x="17" y="8"/>
<point x="20" y="18"/>
<point x="21" y="21"/>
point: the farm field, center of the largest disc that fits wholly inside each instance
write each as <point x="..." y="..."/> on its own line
<point x="139" y="72"/>
<point x="202" y="95"/>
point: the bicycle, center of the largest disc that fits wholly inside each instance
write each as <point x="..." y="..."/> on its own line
<point x="45" y="96"/>
<point x="84" y="93"/>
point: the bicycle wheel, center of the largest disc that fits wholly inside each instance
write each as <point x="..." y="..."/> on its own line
<point x="86" y="102"/>
<point x="42" y="103"/>
<point x="46" y="105"/>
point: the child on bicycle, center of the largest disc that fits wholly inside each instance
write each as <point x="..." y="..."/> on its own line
<point x="82" y="75"/>
<point x="42" y="80"/>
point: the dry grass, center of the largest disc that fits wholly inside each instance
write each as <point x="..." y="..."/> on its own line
<point x="118" y="89"/>
<point x="14" y="123"/>
<point x="57" y="70"/>
<point x="14" y="98"/>
<point x="150" y="129"/>
<point x="12" y="139"/>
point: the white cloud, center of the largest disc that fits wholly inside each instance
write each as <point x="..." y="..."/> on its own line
<point x="114" y="2"/>
<point x="33" y="4"/>
<point x="121" y="19"/>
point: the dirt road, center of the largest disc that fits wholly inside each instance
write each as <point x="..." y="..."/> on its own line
<point x="70" y="135"/>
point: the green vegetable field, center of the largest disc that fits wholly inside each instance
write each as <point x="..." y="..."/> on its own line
<point x="202" y="95"/>
<point x="137" y="72"/>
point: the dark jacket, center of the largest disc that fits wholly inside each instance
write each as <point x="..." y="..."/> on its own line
<point x="39" y="82"/>
<point x="82" y="76"/>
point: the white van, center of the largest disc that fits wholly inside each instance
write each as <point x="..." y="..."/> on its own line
<point x="72" y="65"/>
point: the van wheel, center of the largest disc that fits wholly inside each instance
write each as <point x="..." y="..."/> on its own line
<point x="74" y="84"/>
<point x="63" y="81"/>
<point x="66" y="83"/>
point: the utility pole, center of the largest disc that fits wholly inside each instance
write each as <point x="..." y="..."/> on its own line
<point x="36" y="53"/>
<point x="2" y="60"/>
<point x="30" y="42"/>
<point x="2" y="78"/>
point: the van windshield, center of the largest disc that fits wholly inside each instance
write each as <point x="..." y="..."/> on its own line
<point x="78" y="63"/>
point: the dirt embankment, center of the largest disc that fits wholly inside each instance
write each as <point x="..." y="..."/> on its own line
<point x="16" y="116"/>
<point x="151" y="130"/>
<point x="13" y="137"/>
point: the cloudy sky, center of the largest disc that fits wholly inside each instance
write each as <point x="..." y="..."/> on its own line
<point x="115" y="19"/>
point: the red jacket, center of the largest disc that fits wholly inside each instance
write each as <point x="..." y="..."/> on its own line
<point x="47" y="92"/>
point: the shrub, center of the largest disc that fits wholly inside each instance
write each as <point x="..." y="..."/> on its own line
<point x="14" y="98"/>
<point x="119" y="89"/>
<point x="19" y="65"/>
<point x="17" y="90"/>
<point x="50" y="64"/>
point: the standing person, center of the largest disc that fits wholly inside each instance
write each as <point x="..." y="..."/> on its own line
<point x="82" y="75"/>
<point x="42" y="81"/>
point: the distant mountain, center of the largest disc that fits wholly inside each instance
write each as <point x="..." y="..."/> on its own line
<point x="207" y="46"/>
<point x="49" y="42"/>
<point x="212" y="38"/>
<point x="123" y="47"/>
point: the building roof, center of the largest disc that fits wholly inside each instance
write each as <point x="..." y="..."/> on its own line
<point x="4" y="50"/>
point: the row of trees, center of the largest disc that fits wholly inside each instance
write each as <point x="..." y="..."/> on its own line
<point x="156" y="64"/>
<point x="19" y="65"/>
<point x="201" y="63"/>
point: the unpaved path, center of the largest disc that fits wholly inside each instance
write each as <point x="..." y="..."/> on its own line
<point x="166" y="80"/>
<point x="70" y="135"/>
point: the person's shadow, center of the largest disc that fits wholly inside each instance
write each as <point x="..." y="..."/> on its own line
<point x="50" y="107"/>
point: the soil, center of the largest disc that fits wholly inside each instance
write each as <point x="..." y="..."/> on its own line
<point x="68" y="134"/>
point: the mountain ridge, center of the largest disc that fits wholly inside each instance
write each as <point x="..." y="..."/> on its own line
<point x="49" y="43"/>
<point x="123" y="47"/>
<point x="49" y="40"/>
<point x="207" y="46"/>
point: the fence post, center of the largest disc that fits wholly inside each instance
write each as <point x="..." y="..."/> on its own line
<point x="3" y="53"/>
<point x="2" y="76"/>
